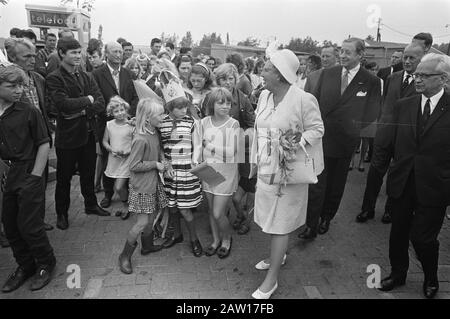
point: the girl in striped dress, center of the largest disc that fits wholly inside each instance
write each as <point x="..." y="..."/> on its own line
<point x="181" y="144"/>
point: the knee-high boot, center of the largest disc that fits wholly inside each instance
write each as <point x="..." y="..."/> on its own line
<point x="125" y="258"/>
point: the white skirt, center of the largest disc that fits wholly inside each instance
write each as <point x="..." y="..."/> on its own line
<point x="280" y="215"/>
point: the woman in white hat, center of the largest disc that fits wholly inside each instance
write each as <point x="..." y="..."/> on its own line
<point x="281" y="209"/>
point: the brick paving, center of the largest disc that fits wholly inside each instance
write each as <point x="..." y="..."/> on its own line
<point x="332" y="266"/>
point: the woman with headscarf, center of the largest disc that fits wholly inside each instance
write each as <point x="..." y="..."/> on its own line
<point x="281" y="208"/>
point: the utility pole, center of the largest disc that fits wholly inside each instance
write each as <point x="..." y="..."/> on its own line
<point x="378" y="30"/>
<point x="448" y="47"/>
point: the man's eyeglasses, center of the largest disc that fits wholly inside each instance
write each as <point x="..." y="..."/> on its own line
<point x="425" y="76"/>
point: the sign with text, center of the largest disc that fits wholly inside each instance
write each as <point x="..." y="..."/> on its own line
<point x="48" y="19"/>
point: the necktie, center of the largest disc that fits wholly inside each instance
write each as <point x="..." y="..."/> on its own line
<point x="406" y="81"/>
<point x="426" y="113"/>
<point x="115" y="72"/>
<point x="344" y="82"/>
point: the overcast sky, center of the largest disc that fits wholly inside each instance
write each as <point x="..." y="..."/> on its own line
<point x="140" y="20"/>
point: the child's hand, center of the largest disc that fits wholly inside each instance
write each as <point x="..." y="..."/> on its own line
<point x="160" y="166"/>
<point x="131" y="121"/>
<point x="170" y="172"/>
<point x="115" y="154"/>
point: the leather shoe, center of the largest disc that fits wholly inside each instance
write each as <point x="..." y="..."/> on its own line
<point x="62" y="222"/>
<point x="308" y="234"/>
<point x="386" y="219"/>
<point x="3" y="241"/>
<point x="430" y="289"/>
<point x="48" y="227"/>
<point x="324" y="226"/>
<point x="96" y="210"/>
<point x="106" y="202"/>
<point x="172" y="241"/>
<point x="16" y="279"/>
<point x="365" y="216"/>
<point x="42" y="277"/>
<point x="390" y="282"/>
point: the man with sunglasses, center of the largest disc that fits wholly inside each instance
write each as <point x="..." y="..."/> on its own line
<point x="419" y="176"/>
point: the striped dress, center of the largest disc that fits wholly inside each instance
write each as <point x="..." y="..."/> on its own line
<point x="184" y="190"/>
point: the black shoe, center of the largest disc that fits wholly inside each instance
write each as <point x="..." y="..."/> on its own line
<point x="17" y="279"/>
<point x="324" y="226"/>
<point x="42" y="277"/>
<point x="197" y="249"/>
<point x="210" y="251"/>
<point x="389" y="283"/>
<point x="62" y="222"/>
<point x="3" y="241"/>
<point x="48" y="227"/>
<point x="365" y="216"/>
<point x="147" y="245"/>
<point x="96" y="210"/>
<point x="430" y="288"/>
<point x="386" y="219"/>
<point x="172" y="241"/>
<point x="361" y="169"/>
<point x="223" y="252"/>
<point x="308" y="234"/>
<point x="106" y="202"/>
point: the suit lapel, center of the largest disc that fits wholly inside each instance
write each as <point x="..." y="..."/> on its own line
<point x="109" y="78"/>
<point x="122" y="81"/>
<point x="413" y="115"/>
<point x="353" y="86"/>
<point x="439" y="110"/>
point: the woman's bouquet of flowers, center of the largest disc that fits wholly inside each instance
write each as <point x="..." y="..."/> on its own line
<point x="289" y="144"/>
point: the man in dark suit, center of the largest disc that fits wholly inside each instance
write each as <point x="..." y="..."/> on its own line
<point x="419" y="175"/>
<point x="349" y="98"/>
<point x="398" y="85"/>
<point x="329" y="57"/>
<point x="112" y="79"/>
<point x="22" y="52"/>
<point x="396" y="65"/>
<point x="78" y="102"/>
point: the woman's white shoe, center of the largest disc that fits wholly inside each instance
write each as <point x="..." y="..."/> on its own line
<point x="258" y="294"/>
<point x="262" y="265"/>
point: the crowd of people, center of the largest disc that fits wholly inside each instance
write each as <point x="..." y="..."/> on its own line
<point x="272" y="135"/>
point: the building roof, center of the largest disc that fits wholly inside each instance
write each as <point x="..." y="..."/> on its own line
<point x="394" y="45"/>
<point x="240" y="48"/>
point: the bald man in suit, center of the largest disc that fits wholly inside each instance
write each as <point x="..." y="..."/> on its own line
<point x="398" y="85"/>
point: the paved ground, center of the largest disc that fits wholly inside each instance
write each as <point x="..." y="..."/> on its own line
<point x="332" y="266"/>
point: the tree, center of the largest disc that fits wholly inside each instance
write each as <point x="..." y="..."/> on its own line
<point x="172" y="39"/>
<point x="303" y="45"/>
<point x="370" y="38"/>
<point x="328" y="43"/>
<point x="187" y="41"/>
<point x="209" y="39"/>
<point x="85" y="4"/>
<point x="250" y="42"/>
<point x="4" y="2"/>
<point x="443" y="47"/>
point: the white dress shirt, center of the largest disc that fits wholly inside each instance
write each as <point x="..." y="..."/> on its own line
<point x="115" y="77"/>
<point x="411" y="78"/>
<point x="351" y="73"/>
<point x="434" y="100"/>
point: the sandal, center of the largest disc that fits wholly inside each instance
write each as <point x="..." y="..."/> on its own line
<point x="244" y="229"/>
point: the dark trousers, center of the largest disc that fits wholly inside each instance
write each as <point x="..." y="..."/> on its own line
<point x="67" y="159"/>
<point x="418" y="223"/>
<point x="373" y="187"/>
<point x="23" y="217"/>
<point x="325" y="196"/>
